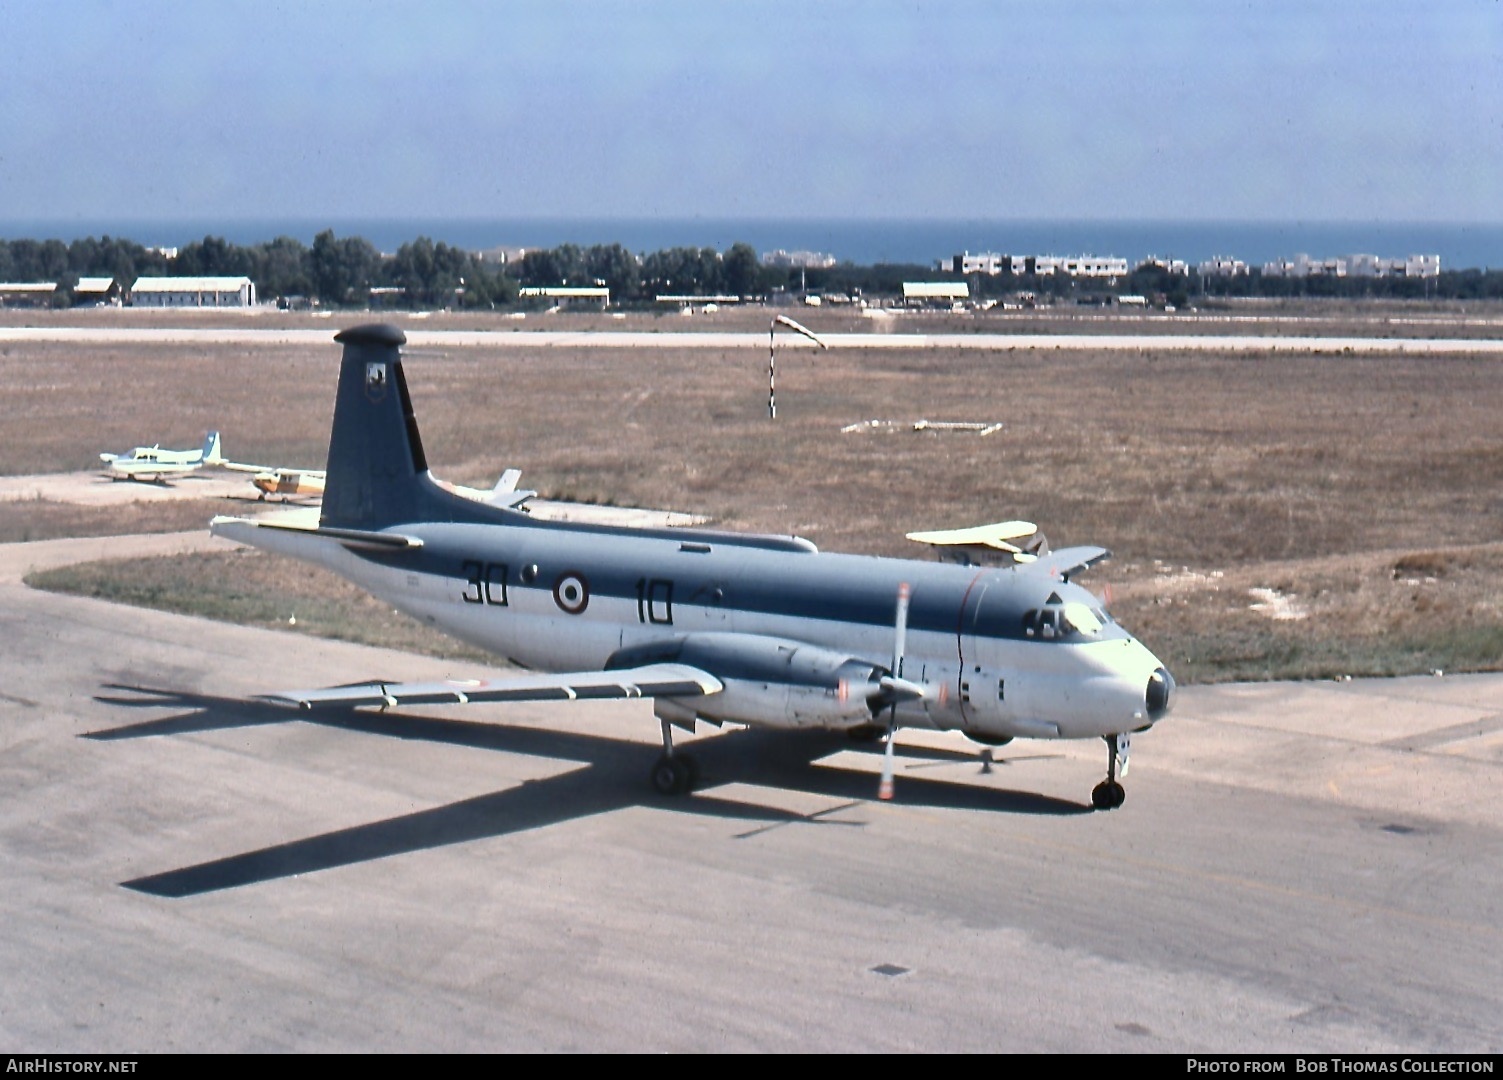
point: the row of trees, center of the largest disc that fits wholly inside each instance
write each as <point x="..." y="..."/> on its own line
<point x="674" y="271"/>
<point x="341" y="272"/>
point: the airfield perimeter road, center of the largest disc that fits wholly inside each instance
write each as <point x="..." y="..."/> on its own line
<point x="1298" y="867"/>
<point x="890" y="338"/>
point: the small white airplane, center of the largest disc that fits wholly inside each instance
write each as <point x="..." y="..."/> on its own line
<point x="157" y="465"/>
<point x="716" y="626"/>
<point x="505" y="494"/>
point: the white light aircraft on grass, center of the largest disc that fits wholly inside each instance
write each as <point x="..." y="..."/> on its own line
<point x="158" y="465"/>
<point x="713" y="626"/>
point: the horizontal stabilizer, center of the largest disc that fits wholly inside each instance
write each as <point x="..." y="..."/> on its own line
<point x="1066" y="562"/>
<point x="652" y="680"/>
<point x="353" y="538"/>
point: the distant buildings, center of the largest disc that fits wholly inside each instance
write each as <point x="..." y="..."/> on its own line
<point x="1415" y="266"/>
<point x="1090" y="266"/>
<point x="807" y="260"/>
<point x="1093" y="266"/>
<point x="1222" y="266"/>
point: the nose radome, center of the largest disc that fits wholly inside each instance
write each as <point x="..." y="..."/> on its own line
<point x="1159" y="697"/>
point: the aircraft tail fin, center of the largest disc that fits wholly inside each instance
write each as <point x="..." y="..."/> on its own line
<point x="212" y="453"/>
<point x="375" y="454"/>
<point x="377" y="473"/>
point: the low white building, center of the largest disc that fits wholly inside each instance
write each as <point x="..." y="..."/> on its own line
<point x="27" y="293"/>
<point x="193" y="292"/>
<point x="96" y="290"/>
<point x="570" y="294"/>
<point x="935" y="293"/>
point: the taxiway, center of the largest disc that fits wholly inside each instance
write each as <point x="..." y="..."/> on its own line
<point x="1312" y="867"/>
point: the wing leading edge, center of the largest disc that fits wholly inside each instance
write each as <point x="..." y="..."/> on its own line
<point x="1065" y="562"/>
<point x="650" y="680"/>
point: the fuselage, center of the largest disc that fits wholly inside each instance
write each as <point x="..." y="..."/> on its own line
<point x="287" y="483"/>
<point x="152" y="463"/>
<point x="798" y="636"/>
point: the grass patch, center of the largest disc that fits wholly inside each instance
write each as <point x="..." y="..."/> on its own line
<point x="1375" y="614"/>
<point x="252" y="588"/>
<point x="26" y="520"/>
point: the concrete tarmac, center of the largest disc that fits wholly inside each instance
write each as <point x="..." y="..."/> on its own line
<point x="1312" y="867"/>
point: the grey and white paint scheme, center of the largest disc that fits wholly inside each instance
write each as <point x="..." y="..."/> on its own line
<point x="715" y="626"/>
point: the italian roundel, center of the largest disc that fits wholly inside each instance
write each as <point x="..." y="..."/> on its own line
<point x="571" y="592"/>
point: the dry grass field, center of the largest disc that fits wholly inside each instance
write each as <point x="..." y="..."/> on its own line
<point x="1270" y="515"/>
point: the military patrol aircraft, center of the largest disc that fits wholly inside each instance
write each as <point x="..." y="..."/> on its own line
<point x="716" y="626"/>
<point x="158" y="465"/>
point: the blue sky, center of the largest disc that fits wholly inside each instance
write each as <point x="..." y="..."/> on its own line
<point x="1345" y="110"/>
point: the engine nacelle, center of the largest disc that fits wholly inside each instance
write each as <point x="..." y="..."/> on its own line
<point x="771" y="682"/>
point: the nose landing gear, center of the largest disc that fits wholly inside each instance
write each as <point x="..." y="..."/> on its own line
<point x="1109" y="794"/>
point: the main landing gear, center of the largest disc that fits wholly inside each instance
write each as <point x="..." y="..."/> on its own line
<point x="1108" y="795"/>
<point x="673" y="774"/>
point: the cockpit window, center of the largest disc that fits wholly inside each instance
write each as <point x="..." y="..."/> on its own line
<point x="1082" y="618"/>
<point x="1042" y="623"/>
<point x="1071" y="621"/>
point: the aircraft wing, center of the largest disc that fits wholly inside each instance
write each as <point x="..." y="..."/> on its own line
<point x="271" y="470"/>
<point x="996" y="535"/>
<point x="650" y="680"/>
<point x="1065" y="562"/>
<point x="241" y="466"/>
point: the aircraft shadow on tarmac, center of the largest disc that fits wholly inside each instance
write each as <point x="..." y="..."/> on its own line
<point x="613" y="777"/>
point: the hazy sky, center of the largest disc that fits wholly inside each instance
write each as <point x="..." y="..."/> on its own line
<point x="1325" y="110"/>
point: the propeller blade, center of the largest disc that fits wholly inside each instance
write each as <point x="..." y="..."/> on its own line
<point x="884" y="789"/>
<point x="898" y="687"/>
<point x="900" y="635"/>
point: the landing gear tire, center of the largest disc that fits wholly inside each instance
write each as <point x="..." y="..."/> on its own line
<point x="1108" y="795"/>
<point x="674" y="775"/>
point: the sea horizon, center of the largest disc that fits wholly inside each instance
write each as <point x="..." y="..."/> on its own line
<point x="862" y="241"/>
